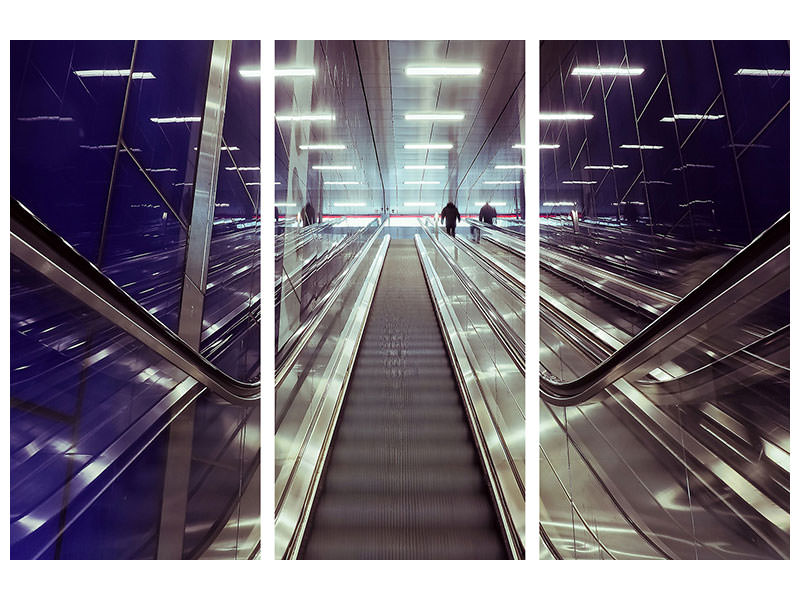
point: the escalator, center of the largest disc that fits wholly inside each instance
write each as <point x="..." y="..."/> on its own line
<point x="668" y="441"/>
<point x="403" y="478"/>
<point x="97" y="380"/>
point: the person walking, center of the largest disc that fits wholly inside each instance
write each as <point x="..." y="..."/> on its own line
<point x="449" y="216"/>
<point x="487" y="215"/>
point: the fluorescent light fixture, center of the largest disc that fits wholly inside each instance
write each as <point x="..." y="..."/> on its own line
<point x="519" y="146"/>
<point x="257" y="183"/>
<point x="162" y="170"/>
<point x="655" y="182"/>
<point x="419" y="204"/>
<point x="342" y="183"/>
<point x="592" y="71"/>
<point x="250" y="72"/>
<point x="693" y="166"/>
<point x="175" y="119"/>
<point x="509" y="166"/>
<point x="332" y="167"/>
<point x="277" y="183"/>
<point x="685" y="117"/>
<point x="184" y="184"/>
<point x="565" y="116"/>
<point x="422" y="183"/>
<point x="490" y="203"/>
<point x="295" y="72"/>
<point x="321" y="117"/>
<point x="349" y="203"/>
<point x="45" y="118"/>
<point x="222" y="204"/>
<point x="423" y="167"/>
<point x="549" y="146"/>
<point x="427" y="146"/>
<point x="285" y="204"/>
<point x="115" y="73"/>
<point x="500" y="182"/>
<point x="763" y="72"/>
<point x="444" y="71"/>
<point x="579" y="182"/>
<point x="223" y="148"/>
<point x="605" y="167"/>
<point x="559" y="203"/>
<point x="640" y="147"/>
<point x="242" y="168"/>
<point x="434" y="116"/>
<point x="697" y="202"/>
<point x="322" y="146"/>
<point x="99" y="147"/>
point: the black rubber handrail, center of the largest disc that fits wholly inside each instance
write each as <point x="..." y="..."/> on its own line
<point x="49" y="254"/>
<point x="652" y="339"/>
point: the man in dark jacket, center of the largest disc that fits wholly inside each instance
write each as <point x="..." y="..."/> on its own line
<point x="449" y="216"/>
<point x="487" y="215"/>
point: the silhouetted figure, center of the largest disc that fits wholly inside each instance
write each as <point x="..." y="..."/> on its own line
<point x="487" y="215"/>
<point x="449" y="216"/>
<point x="308" y="215"/>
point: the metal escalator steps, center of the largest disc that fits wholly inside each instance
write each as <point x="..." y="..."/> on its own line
<point x="403" y="479"/>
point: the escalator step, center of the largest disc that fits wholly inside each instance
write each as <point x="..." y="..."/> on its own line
<point x="403" y="479"/>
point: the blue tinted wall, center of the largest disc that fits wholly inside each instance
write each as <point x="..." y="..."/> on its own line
<point x="696" y="145"/>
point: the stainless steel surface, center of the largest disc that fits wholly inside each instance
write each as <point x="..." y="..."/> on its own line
<point x="493" y="390"/>
<point x="302" y="442"/>
<point x="745" y="283"/>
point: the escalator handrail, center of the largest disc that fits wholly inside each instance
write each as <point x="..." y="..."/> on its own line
<point x="52" y="256"/>
<point x="649" y="342"/>
<point x="510" y="340"/>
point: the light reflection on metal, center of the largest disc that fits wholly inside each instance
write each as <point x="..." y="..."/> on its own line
<point x="576" y="182"/>
<point x="549" y="146"/>
<point x="605" y="167"/>
<point x="250" y="72"/>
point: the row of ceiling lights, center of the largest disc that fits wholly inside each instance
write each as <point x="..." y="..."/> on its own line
<point x="431" y="71"/>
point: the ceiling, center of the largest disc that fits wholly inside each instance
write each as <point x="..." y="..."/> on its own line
<point x="365" y="85"/>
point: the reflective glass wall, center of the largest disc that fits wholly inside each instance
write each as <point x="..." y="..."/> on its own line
<point x="105" y="140"/>
<point x="683" y="137"/>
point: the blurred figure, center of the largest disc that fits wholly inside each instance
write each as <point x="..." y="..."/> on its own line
<point x="487" y="215"/>
<point x="307" y="214"/>
<point x="449" y="216"/>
